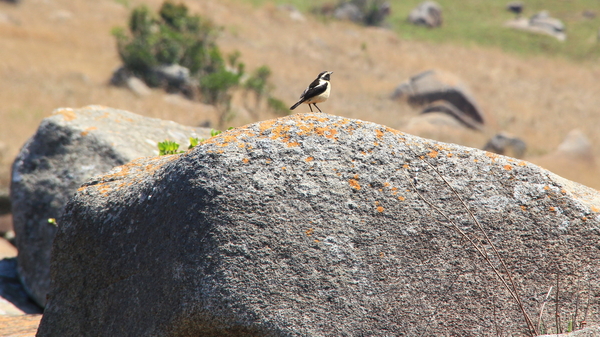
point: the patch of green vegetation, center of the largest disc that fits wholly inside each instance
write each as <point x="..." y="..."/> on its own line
<point x="170" y="147"/>
<point x="480" y="22"/>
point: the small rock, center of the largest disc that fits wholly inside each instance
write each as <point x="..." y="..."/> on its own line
<point x="576" y="145"/>
<point x="428" y="14"/>
<point x="506" y="144"/>
<point x="515" y="7"/>
<point x="348" y="11"/>
<point x="138" y="86"/>
<point x="540" y="23"/>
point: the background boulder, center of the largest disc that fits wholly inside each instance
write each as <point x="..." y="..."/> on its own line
<point x="438" y="86"/>
<point x="540" y="23"/>
<point x="427" y="13"/>
<point x="68" y="148"/>
<point x="318" y="225"/>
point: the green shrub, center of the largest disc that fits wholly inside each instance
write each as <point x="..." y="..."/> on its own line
<point x="173" y="36"/>
<point x="176" y="37"/>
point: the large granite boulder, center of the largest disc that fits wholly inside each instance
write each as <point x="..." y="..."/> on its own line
<point x="318" y="225"/>
<point x="68" y="148"/>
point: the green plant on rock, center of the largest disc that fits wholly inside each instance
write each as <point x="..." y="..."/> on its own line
<point x="170" y="147"/>
<point x="194" y="142"/>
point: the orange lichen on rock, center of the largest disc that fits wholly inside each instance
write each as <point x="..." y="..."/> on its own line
<point x="246" y="160"/>
<point x="133" y="171"/>
<point x="507" y="167"/>
<point x="309" y="159"/>
<point x="354" y="183"/>
<point x="380" y="209"/>
<point x="309" y="231"/>
<point x="401" y="198"/>
<point x="442" y="147"/>
<point x="87" y="130"/>
<point x="433" y="154"/>
<point x="68" y="114"/>
<point x="379" y="133"/>
<point x="492" y="156"/>
<point x="522" y="163"/>
<point x="394" y="131"/>
<point x="327" y="132"/>
<point x="523" y="208"/>
<point x="281" y="132"/>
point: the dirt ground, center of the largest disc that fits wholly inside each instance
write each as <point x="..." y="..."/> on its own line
<point x="59" y="53"/>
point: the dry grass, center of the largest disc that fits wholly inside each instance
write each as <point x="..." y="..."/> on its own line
<point x="49" y="60"/>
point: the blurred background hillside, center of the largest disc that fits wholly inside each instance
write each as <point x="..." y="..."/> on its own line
<point x="61" y="53"/>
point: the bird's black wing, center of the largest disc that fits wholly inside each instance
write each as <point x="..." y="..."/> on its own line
<point x="314" y="90"/>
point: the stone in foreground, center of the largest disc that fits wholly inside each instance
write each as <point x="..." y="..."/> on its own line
<point x="315" y="225"/>
<point x="68" y="148"/>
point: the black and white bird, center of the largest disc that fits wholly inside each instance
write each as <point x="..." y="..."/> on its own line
<point x="317" y="92"/>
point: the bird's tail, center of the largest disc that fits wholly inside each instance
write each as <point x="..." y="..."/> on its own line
<point x="296" y="105"/>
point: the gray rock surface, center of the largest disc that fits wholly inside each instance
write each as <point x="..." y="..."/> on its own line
<point x="13" y="298"/>
<point x="435" y="85"/>
<point x="314" y="225"/>
<point x="68" y="148"/>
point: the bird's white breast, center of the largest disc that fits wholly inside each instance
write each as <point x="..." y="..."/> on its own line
<point x="322" y="97"/>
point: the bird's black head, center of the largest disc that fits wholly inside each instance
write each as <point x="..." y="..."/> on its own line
<point x="325" y="75"/>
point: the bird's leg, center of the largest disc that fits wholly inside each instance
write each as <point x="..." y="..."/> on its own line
<point x="317" y="107"/>
<point x="310" y="107"/>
